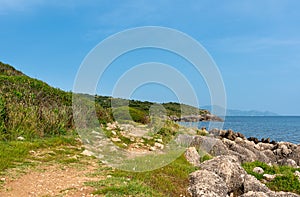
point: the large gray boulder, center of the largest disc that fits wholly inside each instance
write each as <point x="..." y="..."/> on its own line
<point x="210" y="145"/>
<point x="192" y="156"/>
<point x="223" y="175"/>
<point x="207" y="184"/>
<point x="229" y="169"/>
<point x="252" y="184"/>
<point x="295" y="155"/>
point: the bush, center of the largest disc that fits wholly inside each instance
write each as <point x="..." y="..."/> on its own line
<point x="129" y="113"/>
<point x="202" y="132"/>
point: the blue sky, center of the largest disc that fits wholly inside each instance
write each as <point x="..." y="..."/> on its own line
<point x="256" y="44"/>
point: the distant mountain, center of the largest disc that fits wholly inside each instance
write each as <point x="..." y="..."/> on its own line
<point x="235" y="112"/>
<point x="232" y="112"/>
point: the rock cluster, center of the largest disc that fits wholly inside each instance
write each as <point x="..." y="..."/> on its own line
<point x="252" y="149"/>
<point x="136" y="134"/>
<point x="224" y="176"/>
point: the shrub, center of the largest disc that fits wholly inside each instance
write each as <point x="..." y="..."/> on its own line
<point x="129" y="113"/>
<point x="202" y="132"/>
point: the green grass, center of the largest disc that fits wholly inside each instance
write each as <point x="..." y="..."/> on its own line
<point x="121" y="186"/>
<point x="128" y="113"/>
<point x="43" y="115"/>
<point x="172" y="108"/>
<point x="284" y="181"/>
<point x="206" y="157"/>
<point x="14" y="153"/>
<point x="33" y="109"/>
<point x="171" y="180"/>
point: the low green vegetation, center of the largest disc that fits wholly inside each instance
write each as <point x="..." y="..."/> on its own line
<point x="129" y="113"/>
<point x="171" y="180"/>
<point x="31" y="108"/>
<point x="201" y="132"/>
<point x="14" y="153"/>
<point x="284" y="181"/>
<point x="172" y="108"/>
<point x="42" y="118"/>
<point x="205" y="157"/>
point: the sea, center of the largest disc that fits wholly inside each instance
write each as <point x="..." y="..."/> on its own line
<point x="278" y="128"/>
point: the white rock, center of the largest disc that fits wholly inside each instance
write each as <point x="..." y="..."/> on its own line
<point x="132" y="139"/>
<point x="159" y="140"/>
<point x="115" y="139"/>
<point x="222" y="132"/>
<point x="87" y="141"/>
<point x="256" y="146"/>
<point x="32" y="152"/>
<point x="152" y="148"/>
<point x="270" y="164"/>
<point x="258" y="170"/>
<point x="87" y="153"/>
<point x="265" y="146"/>
<point x="228" y="142"/>
<point x="249" y="143"/>
<point x="285" y="150"/>
<point x="269" y="177"/>
<point x="239" y="140"/>
<point x="95" y="132"/>
<point x="291" y="163"/>
<point x="20" y="138"/>
<point x="297" y="174"/>
<point x="112" y="126"/>
<point x="159" y="145"/>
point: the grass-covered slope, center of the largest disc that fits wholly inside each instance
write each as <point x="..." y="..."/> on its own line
<point x="31" y="108"/>
<point x="172" y="108"/>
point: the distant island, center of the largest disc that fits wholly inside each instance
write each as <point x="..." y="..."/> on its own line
<point x="236" y="112"/>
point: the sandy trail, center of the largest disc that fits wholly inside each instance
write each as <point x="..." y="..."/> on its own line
<point x="51" y="180"/>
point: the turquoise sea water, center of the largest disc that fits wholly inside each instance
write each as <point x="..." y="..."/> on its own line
<point x="278" y="128"/>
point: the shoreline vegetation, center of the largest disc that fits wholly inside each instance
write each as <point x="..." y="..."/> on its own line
<point x="37" y="130"/>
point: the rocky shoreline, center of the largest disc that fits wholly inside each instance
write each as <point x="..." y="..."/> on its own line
<point x="224" y="176"/>
<point x="196" y="118"/>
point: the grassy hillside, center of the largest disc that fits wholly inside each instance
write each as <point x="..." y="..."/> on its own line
<point x="33" y="109"/>
<point x="172" y="109"/>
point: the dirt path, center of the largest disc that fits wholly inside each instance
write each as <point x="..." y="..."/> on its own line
<point x="51" y="180"/>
